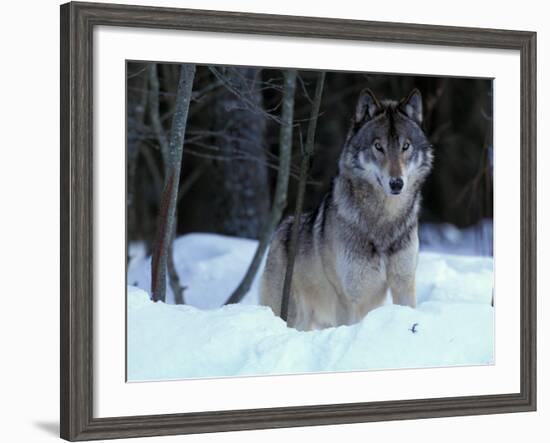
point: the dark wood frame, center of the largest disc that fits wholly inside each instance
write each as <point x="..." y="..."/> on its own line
<point x="77" y="23"/>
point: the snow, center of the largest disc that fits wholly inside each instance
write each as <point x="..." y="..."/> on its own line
<point x="474" y="240"/>
<point x="452" y="324"/>
<point x="210" y="265"/>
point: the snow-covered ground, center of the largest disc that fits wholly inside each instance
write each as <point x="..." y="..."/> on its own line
<point x="452" y="324"/>
<point x="209" y="265"/>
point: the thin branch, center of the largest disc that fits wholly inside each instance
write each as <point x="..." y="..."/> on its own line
<point x="156" y="176"/>
<point x="173" y="277"/>
<point x="307" y="153"/>
<point x="190" y="180"/>
<point x="280" y="197"/>
<point x="136" y="74"/>
<point x="251" y="105"/>
<point x="304" y="89"/>
<point x="294" y="172"/>
<point x="154" y="113"/>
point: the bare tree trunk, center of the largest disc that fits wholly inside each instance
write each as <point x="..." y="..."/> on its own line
<point x="242" y="203"/>
<point x="307" y="153"/>
<point x="279" y="199"/>
<point x="170" y="193"/>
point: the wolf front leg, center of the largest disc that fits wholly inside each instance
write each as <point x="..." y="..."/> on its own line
<point x="403" y="290"/>
<point x="402" y="273"/>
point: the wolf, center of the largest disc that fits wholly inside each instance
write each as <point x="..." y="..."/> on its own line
<point x="362" y="239"/>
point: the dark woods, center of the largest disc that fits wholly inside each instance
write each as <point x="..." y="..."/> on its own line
<point x="241" y="158"/>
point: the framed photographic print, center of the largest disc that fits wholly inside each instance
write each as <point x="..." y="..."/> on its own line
<point x="272" y="221"/>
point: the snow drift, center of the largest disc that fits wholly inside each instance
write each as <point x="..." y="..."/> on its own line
<point x="452" y="324"/>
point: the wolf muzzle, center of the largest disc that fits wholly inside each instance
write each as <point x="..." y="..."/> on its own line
<point x="396" y="185"/>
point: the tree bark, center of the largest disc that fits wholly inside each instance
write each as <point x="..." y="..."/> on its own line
<point x="307" y="153"/>
<point x="242" y="203"/>
<point x="280" y="197"/>
<point x="170" y="193"/>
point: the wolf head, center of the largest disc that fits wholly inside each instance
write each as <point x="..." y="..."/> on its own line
<point x="386" y="145"/>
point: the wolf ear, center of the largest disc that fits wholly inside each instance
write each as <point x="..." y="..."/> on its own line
<point x="412" y="106"/>
<point x="367" y="106"/>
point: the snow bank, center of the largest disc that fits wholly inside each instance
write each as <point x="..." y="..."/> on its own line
<point x="210" y="265"/>
<point x="171" y="342"/>
<point x="452" y="325"/>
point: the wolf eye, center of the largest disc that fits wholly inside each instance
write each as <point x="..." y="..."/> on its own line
<point x="406" y="146"/>
<point x="378" y="147"/>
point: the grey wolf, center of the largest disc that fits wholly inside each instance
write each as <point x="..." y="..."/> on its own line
<point x="362" y="240"/>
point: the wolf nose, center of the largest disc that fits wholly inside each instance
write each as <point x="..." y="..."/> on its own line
<point x="396" y="184"/>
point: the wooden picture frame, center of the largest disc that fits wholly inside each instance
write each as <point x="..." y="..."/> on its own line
<point x="77" y="23"/>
